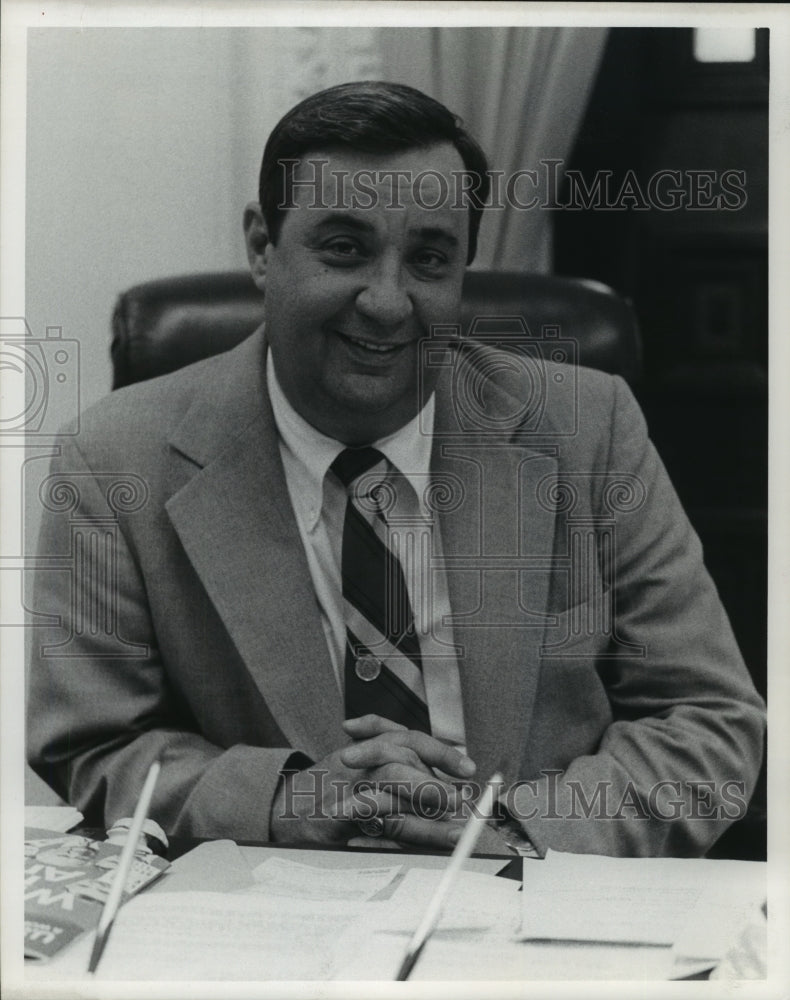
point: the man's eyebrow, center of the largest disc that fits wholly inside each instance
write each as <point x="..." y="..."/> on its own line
<point x="346" y="219"/>
<point x="435" y="233"/>
<point x="349" y="220"/>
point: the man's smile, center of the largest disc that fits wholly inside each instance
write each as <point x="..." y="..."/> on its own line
<point x="372" y="346"/>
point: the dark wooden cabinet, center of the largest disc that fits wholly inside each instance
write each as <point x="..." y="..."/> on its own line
<point x="697" y="277"/>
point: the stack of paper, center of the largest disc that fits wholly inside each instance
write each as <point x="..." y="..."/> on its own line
<point x="694" y="906"/>
<point x="473" y="939"/>
<point x="287" y="920"/>
<point x="477" y="940"/>
<point x="294" y="915"/>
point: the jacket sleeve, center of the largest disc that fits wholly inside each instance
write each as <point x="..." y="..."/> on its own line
<point x="99" y="706"/>
<point x="680" y="758"/>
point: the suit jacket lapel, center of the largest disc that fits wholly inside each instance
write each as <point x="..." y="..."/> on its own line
<point x="498" y="612"/>
<point x="255" y="570"/>
<point x="235" y="521"/>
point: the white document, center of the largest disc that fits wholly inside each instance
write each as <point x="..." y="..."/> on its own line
<point x="475" y="940"/>
<point x="265" y="936"/>
<point x="475" y="902"/>
<point x="480" y="917"/>
<point x="278" y="877"/>
<point x="747" y="953"/>
<point x="725" y="906"/>
<point x="215" y="866"/>
<point x="570" y="897"/>
<point x="366" y="859"/>
<point x="468" y="957"/>
<point x="60" y="819"/>
<point x="213" y="936"/>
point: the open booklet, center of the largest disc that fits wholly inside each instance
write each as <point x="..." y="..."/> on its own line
<point x="67" y="880"/>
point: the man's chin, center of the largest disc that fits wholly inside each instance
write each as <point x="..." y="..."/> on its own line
<point x="365" y="412"/>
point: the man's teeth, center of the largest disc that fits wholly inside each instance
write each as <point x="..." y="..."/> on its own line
<point x="380" y="348"/>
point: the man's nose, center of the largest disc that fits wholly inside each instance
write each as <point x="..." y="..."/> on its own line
<point x="384" y="299"/>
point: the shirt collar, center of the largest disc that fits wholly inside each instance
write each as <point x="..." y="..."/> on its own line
<point x="408" y="449"/>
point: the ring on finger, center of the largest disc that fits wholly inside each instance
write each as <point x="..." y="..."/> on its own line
<point x="373" y="827"/>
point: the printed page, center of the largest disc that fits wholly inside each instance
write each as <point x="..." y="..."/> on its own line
<point x="475" y="902"/>
<point x="476" y="940"/>
<point x="628" y="900"/>
<point x="480" y="915"/>
<point x="216" y="936"/>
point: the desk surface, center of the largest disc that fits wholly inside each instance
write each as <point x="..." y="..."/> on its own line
<point x="508" y="867"/>
<point x="206" y="920"/>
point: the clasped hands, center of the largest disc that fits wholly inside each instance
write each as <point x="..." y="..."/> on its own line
<point x="387" y="772"/>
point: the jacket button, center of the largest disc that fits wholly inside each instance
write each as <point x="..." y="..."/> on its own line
<point x="367" y="667"/>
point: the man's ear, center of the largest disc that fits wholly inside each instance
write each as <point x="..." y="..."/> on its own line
<point x="256" y="237"/>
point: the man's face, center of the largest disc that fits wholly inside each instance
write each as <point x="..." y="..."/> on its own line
<point x="351" y="290"/>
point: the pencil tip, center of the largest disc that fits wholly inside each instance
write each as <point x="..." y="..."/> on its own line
<point x="98" y="943"/>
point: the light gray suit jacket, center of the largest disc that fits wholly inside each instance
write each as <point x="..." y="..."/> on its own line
<point x="596" y="660"/>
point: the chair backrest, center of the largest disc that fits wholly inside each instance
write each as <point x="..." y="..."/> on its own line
<point x="162" y="325"/>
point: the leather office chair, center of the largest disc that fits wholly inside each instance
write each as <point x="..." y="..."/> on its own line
<point x="162" y="325"/>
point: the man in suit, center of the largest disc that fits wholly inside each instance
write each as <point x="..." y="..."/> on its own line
<point x="543" y="608"/>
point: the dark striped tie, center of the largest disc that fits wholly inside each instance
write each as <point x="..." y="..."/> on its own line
<point x="383" y="665"/>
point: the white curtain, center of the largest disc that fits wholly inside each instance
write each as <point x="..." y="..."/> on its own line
<point x="273" y="68"/>
<point x="522" y="92"/>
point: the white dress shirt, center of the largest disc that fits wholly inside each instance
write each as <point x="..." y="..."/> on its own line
<point x="319" y="503"/>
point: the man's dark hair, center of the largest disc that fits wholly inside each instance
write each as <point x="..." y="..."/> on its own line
<point x="374" y="117"/>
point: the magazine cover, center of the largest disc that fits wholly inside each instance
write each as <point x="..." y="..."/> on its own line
<point x="67" y="879"/>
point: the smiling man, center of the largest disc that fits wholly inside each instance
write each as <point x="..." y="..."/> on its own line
<point x="352" y="291"/>
<point x="344" y="604"/>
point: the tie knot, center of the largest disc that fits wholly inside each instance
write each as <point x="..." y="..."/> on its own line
<point x="354" y="462"/>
